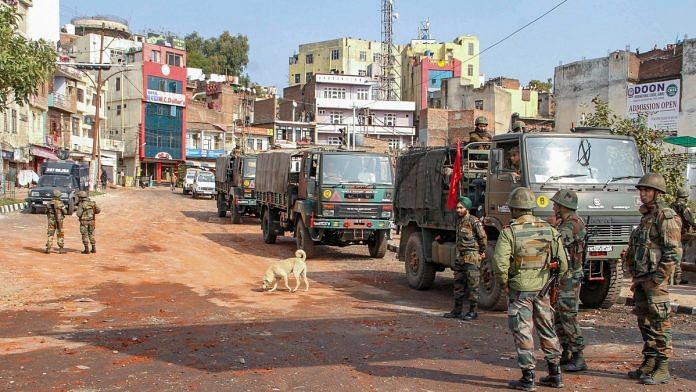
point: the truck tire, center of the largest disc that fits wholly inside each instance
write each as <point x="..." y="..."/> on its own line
<point x="491" y="294"/>
<point x="221" y="207"/>
<point x="419" y="273"/>
<point x="304" y="239"/>
<point x="378" y="247"/>
<point x="268" y="236"/>
<point x="236" y="215"/>
<point x="603" y="294"/>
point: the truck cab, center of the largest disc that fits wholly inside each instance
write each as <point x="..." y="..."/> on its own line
<point x="67" y="176"/>
<point x="235" y="183"/>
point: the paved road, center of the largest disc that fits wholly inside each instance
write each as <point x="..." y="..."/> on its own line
<point x="172" y="302"/>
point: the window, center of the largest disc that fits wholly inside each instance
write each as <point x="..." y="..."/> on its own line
<point x="80" y="95"/>
<point x="362" y="72"/>
<point x="334" y="141"/>
<point x="161" y="84"/>
<point x="259" y="144"/>
<point x="389" y="119"/>
<point x="14" y="120"/>
<point x="336" y="118"/>
<point x="309" y="59"/>
<point x="297" y="78"/>
<point x="334" y="54"/>
<point x="470" y="70"/>
<point x="118" y="84"/>
<point x="94" y="99"/>
<point x="478" y="104"/>
<point x="363" y="55"/>
<point x="471" y="48"/>
<point x="118" y="110"/>
<point x="363" y="94"/>
<point x="174" y="59"/>
<point x="395" y="143"/>
<point x="75" y="123"/>
<point x="308" y="77"/>
<point x="376" y="57"/>
<point x="155" y="56"/>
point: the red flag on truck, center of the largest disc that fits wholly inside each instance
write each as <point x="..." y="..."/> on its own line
<point x="454" y="180"/>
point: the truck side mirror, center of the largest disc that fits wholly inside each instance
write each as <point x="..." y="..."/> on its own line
<point x="496" y="160"/>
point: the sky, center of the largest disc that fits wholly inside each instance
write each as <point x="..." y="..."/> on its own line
<point x="577" y="29"/>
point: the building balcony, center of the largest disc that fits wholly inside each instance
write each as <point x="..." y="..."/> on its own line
<point x="111" y="144"/>
<point x="62" y="102"/>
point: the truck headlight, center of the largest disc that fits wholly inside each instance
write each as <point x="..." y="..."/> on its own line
<point x="328" y="212"/>
<point x="63" y="195"/>
<point x="386" y="214"/>
<point x="34" y="194"/>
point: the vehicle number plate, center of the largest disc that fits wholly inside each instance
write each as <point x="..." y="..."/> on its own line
<point x="600" y="248"/>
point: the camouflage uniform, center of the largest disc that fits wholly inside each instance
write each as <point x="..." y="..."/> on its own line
<point x="480" y="135"/>
<point x="55" y="222"/>
<point x="471" y="242"/>
<point x="521" y="263"/>
<point x="688" y="223"/>
<point x="572" y="231"/>
<point x="86" y="211"/>
<point x="653" y="249"/>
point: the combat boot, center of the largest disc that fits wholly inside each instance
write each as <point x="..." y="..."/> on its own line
<point x="61" y="251"/>
<point x="94" y="249"/>
<point x="471" y="315"/>
<point x="577" y="363"/>
<point x="456" y="310"/>
<point x="659" y="375"/>
<point x="644" y="369"/>
<point x="47" y="250"/>
<point x="554" y="379"/>
<point x="525" y="383"/>
<point x="86" y="251"/>
<point x="565" y="355"/>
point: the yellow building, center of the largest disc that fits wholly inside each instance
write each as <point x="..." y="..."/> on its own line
<point x="350" y="56"/>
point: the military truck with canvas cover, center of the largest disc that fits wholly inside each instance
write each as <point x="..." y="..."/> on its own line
<point x="235" y="183"/>
<point x="326" y="197"/>
<point x="67" y="176"/>
<point x="602" y="168"/>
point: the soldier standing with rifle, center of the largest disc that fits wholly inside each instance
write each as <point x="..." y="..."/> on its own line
<point x="86" y="211"/>
<point x="653" y="249"/>
<point x="688" y="221"/>
<point x="55" y="212"/>
<point x="528" y="259"/>
<point x="573" y="234"/>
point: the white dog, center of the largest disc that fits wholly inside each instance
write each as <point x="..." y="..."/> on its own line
<point x="296" y="265"/>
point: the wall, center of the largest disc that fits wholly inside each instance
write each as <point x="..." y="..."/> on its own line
<point x="687" y="117"/>
<point x="497" y="102"/>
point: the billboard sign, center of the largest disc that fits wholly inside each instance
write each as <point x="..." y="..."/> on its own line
<point x="658" y="101"/>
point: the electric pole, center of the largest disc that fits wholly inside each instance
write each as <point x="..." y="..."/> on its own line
<point x="95" y="132"/>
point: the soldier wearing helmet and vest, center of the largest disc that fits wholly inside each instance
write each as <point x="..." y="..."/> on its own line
<point x="86" y="211"/>
<point x="525" y="252"/>
<point x="55" y="212"/>
<point x="519" y="126"/>
<point x="572" y="231"/>
<point x="653" y="248"/>
<point x="480" y="133"/>
<point x="688" y="221"/>
<point x="471" y="248"/>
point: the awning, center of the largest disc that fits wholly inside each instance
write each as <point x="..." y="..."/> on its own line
<point x="684" y="141"/>
<point x="43" y="153"/>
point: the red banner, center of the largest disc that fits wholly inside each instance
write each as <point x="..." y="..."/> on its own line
<point x="454" y="180"/>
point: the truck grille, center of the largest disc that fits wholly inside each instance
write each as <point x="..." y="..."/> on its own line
<point x="357" y="211"/>
<point x="613" y="233"/>
<point x="359" y="195"/>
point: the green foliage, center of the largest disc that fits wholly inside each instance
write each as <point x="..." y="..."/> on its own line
<point x="24" y="64"/>
<point x="539" y="85"/>
<point x="653" y="153"/>
<point x="225" y="54"/>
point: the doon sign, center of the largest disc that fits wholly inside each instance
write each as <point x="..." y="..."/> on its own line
<point x="658" y="101"/>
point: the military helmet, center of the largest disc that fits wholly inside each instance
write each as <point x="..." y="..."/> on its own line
<point x="521" y="198"/>
<point x="514" y="149"/>
<point x="82" y="195"/>
<point x="481" y="120"/>
<point x="566" y="198"/>
<point x="465" y="201"/>
<point x="654" y="181"/>
<point x="682" y="193"/>
<point x="519" y="124"/>
<point x="56" y="193"/>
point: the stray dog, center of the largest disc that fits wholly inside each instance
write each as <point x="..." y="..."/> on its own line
<point x="295" y="265"/>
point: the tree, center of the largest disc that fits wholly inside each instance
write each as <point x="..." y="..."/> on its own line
<point x="24" y="63"/>
<point x="653" y="153"/>
<point x="225" y="54"/>
<point x="540" y="86"/>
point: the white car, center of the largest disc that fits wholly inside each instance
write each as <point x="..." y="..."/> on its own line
<point x="203" y="185"/>
<point x="188" y="180"/>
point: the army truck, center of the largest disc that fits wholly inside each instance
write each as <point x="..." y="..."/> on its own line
<point x="326" y="197"/>
<point x="235" y="181"/>
<point x="602" y="168"/>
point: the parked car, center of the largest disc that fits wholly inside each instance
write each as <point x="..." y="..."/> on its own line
<point x="203" y="185"/>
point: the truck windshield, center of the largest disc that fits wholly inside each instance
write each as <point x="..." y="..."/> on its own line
<point x="250" y="167"/>
<point x="57" y="181"/>
<point x="207" y="177"/>
<point x="344" y="168"/>
<point x="583" y="160"/>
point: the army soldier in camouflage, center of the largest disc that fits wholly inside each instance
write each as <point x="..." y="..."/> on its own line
<point x="480" y="133"/>
<point x="653" y="249"/>
<point x="572" y="231"/>
<point x="688" y="222"/>
<point x="471" y="248"/>
<point x="55" y="212"/>
<point x="524" y="254"/>
<point x="86" y="211"/>
<point x="519" y="126"/>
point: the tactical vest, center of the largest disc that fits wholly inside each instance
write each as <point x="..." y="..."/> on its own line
<point x="532" y="242"/>
<point x="645" y="252"/>
<point x="59" y="209"/>
<point x="87" y="211"/>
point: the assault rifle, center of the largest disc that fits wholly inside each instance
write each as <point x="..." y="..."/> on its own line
<point x="554" y="275"/>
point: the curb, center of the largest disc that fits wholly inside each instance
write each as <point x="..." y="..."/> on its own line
<point x="392" y="248"/>
<point x="676" y="308"/>
<point x="12" y="208"/>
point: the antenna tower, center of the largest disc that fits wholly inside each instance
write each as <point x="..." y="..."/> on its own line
<point x="387" y="78"/>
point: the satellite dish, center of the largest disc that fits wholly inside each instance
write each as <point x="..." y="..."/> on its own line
<point x="396" y="15"/>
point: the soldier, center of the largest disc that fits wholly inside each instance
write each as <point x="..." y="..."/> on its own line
<point x="515" y="159"/>
<point x="519" y="126"/>
<point x="86" y="211"/>
<point x="572" y="230"/>
<point x="653" y="248"/>
<point x="471" y="248"/>
<point x="55" y="212"/>
<point x="688" y="222"/>
<point x="480" y="133"/>
<point x="525" y="252"/>
<point x="515" y="116"/>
